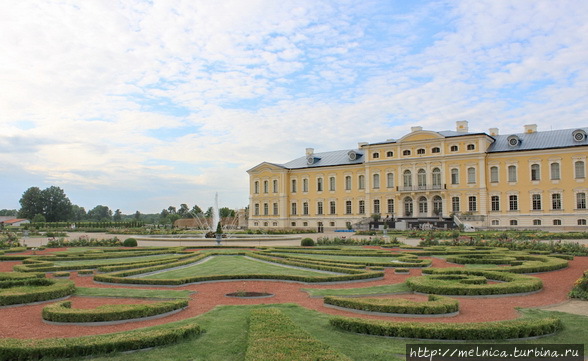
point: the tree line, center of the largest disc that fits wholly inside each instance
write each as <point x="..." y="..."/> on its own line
<point x="53" y="205"/>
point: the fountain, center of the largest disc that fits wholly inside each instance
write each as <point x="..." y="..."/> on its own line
<point x="213" y="229"/>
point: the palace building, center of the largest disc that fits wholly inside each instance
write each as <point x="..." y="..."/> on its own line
<point x="528" y="180"/>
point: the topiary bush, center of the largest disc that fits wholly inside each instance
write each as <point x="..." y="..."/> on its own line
<point x="307" y="242"/>
<point x="130" y="242"/>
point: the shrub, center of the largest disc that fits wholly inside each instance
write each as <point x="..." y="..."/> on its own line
<point x="434" y="305"/>
<point x="130" y="242"/>
<point x="62" y="311"/>
<point x="48" y="289"/>
<point x="580" y="289"/>
<point x="495" y="330"/>
<point x="307" y="242"/>
<point x="61" y="274"/>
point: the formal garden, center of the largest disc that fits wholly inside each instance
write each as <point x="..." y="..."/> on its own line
<point x="112" y="300"/>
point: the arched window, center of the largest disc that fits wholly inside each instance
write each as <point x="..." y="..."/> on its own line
<point x="422" y="178"/>
<point x="389" y="154"/>
<point x="265" y="209"/>
<point x="512" y="173"/>
<point x="376" y="206"/>
<point x="423" y="208"/>
<point x="454" y="176"/>
<point x="361" y="181"/>
<point x="407" y="177"/>
<point x="554" y="171"/>
<point x="436" y="178"/>
<point x="376" y="155"/>
<point x="435" y="150"/>
<point x="437" y="206"/>
<point x="256" y="187"/>
<point x="332" y="183"/>
<point x="471" y="147"/>
<point x="390" y="180"/>
<point x="293" y="185"/>
<point x="406" y="152"/>
<point x="376" y="179"/>
<point x="275" y="186"/>
<point x="455" y="204"/>
<point x="471" y="175"/>
<point x="581" y="200"/>
<point x="305" y="185"/>
<point x="265" y="186"/>
<point x="408" y="207"/>
<point x="493" y="174"/>
<point x="348" y="183"/>
<point x="454" y="148"/>
<point x="319" y="184"/>
<point x="535" y="172"/>
<point x="421" y="151"/>
<point x="579" y="168"/>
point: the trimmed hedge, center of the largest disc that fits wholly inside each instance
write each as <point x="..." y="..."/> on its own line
<point x="519" y="263"/>
<point x="33" y="349"/>
<point x="284" y="340"/>
<point x="404" y="260"/>
<point x="48" y="289"/>
<point x="467" y="282"/>
<point x="435" y="305"/>
<point x="62" y="311"/>
<point x="495" y="330"/>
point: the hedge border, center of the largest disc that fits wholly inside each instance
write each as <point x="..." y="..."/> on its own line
<point x="436" y="305"/>
<point x="30" y="294"/>
<point x="494" y="330"/>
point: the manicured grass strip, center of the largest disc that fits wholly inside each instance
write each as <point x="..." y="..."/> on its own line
<point x="471" y="282"/>
<point x="49" y="290"/>
<point x="130" y="293"/>
<point x="497" y="330"/>
<point x="273" y="336"/>
<point x="62" y="311"/>
<point x="365" y="291"/>
<point x="34" y="349"/>
<point x="434" y="306"/>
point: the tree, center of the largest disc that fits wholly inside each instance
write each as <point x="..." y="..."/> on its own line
<point x="195" y="211"/>
<point x="171" y="209"/>
<point x="39" y="218"/>
<point x="117" y="216"/>
<point x="226" y="212"/>
<point x="57" y="207"/>
<point x="184" y="210"/>
<point x="8" y="212"/>
<point x="100" y="213"/>
<point x="208" y="213"/>
<point x="31" y="203"/>
<point x="78" y="213"/>
<point x="137" y="215"/>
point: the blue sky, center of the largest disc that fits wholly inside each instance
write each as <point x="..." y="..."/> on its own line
<point x="139" y="105"/>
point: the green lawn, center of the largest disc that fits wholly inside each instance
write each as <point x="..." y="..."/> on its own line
<point x="366" y="291"/>
<point x="130" y="292"/>
<point x="112" y="261"/>
<point x="231" y="265"/>
<point x="226" y="328"/>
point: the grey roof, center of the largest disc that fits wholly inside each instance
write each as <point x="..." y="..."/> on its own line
<point x="561" y="138"/>
<point x="444" y="133"/>
<point x="324" y="159"/>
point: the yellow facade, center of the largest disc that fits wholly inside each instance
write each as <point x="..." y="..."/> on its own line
<point x="540" y="182"/>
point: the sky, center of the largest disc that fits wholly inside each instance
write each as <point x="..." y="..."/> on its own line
<point x="139" y="105"/>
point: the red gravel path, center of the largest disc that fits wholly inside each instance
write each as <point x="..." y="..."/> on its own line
<point x="26" y="321"/>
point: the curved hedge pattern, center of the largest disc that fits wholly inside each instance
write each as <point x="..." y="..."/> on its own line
<point x="47" y="289"/>
<point x="435" y="305"/>
<point x="62" y="311"/>
<point x="466" y="282"/>
<point x="495" y="330"/>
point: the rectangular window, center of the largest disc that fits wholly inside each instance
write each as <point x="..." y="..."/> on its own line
<point x="348" y="183"/>
<point x="377" y="206"/>
<point x="579" y="169"/>
<point x="333" y="207"/>
<point x="535" y="172"/>
<point x="319" y="184"/>
<point x="275" y="186"/>
<point x="391" y="206"/>
<point x="495" y="203"/>
<point x="275" y="209"/>
<point x="580" y="200"/>
<point x="347" y="207"/>
<point x="293" y="209"/>
<point x="472" y="203"/>
<point x="536" y="202"/>
<point x="265" y="186"/>
<point x="319" y="208"/>
<point x="256" y="187"/>
<point x="455" y="204"/>
<point x="454" y="176"/>
<point x="305" y="208"/>
<point x="556" y="201"/>
<point x="305" y="185"/>
<point x="293" y="185"/>
<point x="376" y="178"/>
<point x="513" y="202"/>
<point x="361" y="207"/>
<point x="265" y="209"/>
<point x="361" y="181"/>
<point x="256" y="209"/>
<point x="471" y="175"/>
<point x="390" y="180"/>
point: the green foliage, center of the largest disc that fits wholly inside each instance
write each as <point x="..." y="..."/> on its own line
<point x="48" y="290"/>
<point x="497" y="330"/>
<point x="283" y="340"/>
<point x="62" y="311"/>
<point x="61" y="274"/>
<point x="84" y="242"/>
<point x="580" y="289"/>
<point x="34" y="349"/>
<point x="130" y="242"/>
<point x="434" y="305"/>
<point x="307" y="242"/>
<point x="469" y="282"/>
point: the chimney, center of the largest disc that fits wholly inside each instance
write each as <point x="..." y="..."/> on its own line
<point x="309" y="152"/>
<point x="531" y="128"/>
<point x="493" y="131"/>
<point x="461" y="126"/>
<point x="415" y="129"/>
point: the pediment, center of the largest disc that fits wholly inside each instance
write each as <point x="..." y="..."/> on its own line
<point x="420" y="135"/>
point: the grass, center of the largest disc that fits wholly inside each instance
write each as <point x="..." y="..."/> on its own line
<point x="392" y="260"/>
<point x="229" y="265"/>
<point x="366" y="291"/>
<point x="113" y="261"/>
<point x="130" y="293"/>
<point x="226" y="335"/>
